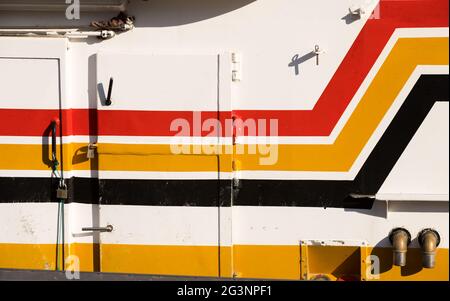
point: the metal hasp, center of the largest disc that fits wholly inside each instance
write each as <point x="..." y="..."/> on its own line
<point x="429" y="240"/>
<point x="91" y="150"/>
<point x="110" y="86"/>
<point x="108" y="228"/>
<point x="400" y="239"/>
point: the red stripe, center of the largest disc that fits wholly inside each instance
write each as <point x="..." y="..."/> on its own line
<point x="317" y="122"/>
<point x="354" y="68"/>
<point x="23" y="122"/>
<point x="137" y="123"/>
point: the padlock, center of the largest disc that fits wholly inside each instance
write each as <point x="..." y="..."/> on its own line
<point x="90" y="153"/>
<point x="91" y="150"/>
<point x="61" y="192"/>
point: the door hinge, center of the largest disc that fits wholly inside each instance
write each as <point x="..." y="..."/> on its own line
<point x="236" y="73"/>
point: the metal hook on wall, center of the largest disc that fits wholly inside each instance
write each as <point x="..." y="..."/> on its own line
<point x="108" y="98"/>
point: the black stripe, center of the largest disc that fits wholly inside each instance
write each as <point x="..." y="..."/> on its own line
<point x="149" y="192"/>
<point x="428" y="90"/>
<point x="308" y="193"/>
<point x="27" y="190"/>
<point x="119" y="192"/>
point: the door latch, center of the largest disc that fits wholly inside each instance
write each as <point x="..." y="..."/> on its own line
<point x="108" y="228"/>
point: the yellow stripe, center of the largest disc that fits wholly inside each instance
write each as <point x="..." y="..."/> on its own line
<point x="130" y="157"/>
<point x="249" y="261"/>
<point x="283" y="262"/>
<point x="340" y="156"/>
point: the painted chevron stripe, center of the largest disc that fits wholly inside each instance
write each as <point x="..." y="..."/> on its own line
<point x="308" y="193"/>
<point x="317" y="122"/>
<point x="427" y="91"/>
<point x="321" y="120"/>
<point x="401" y="63"/>
<point x="407" y="54"/>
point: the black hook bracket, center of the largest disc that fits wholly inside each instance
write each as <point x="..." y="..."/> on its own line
<point x="55" y="162"/>
<point x="108" y="98"/>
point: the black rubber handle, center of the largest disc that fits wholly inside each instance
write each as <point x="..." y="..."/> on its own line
<point x="110" y="87"/>
<point x="53" y="140"/>
<point x="53" y="128"/>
